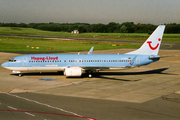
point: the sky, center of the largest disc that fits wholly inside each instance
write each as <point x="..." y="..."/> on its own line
<point x="90" y="11"/>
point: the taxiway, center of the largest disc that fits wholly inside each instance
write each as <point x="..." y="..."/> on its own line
<point x="148" y="92"/>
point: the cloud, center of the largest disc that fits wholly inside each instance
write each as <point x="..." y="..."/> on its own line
<point x="90" y="11"/>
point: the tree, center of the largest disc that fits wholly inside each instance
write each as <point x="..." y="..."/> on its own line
<point x="130" y="26"/>
<point x="112" y="26"/>
<point x="123" y="29"/>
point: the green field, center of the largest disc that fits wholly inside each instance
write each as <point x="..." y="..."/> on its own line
<point x="38" y="44"/>
<point x="110" y="36"/>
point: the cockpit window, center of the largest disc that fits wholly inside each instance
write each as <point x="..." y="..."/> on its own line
<point x="12" y="60"/>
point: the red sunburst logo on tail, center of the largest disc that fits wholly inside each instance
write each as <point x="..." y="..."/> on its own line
<point x="153" y="48"/>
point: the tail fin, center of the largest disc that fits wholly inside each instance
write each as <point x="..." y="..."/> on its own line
<point x="152" y="44"/>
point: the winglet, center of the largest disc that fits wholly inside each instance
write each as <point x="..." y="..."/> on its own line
<point x="91" y="50"/>
<point x="152" y="44"/>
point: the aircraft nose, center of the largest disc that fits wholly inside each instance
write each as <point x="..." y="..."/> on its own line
<point x="4" y="64"/>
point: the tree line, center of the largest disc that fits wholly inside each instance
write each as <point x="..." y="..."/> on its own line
<point x="112" y="27"/>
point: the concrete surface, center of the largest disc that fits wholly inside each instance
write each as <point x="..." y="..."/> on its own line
<point x="148" y="85"/>
<point x="130" y="85"/>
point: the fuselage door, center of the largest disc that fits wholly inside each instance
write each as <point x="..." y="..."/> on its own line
<point x="25" y="62"/>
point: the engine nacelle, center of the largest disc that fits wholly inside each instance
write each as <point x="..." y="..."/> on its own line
<point x="73" y="72"/>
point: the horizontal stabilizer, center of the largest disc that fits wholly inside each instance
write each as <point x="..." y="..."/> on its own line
<point x="154" y="57"/>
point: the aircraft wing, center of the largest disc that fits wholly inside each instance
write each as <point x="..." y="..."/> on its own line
<point x="94" y="68"/>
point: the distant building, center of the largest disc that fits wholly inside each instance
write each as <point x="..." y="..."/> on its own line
<point x="75" y="32"/>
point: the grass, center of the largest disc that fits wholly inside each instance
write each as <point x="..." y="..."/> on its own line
<point x="28" y="31"/>
<point x="18" y="44"/>
<point x="25" y="44"/>
<point x="109" y="36"/>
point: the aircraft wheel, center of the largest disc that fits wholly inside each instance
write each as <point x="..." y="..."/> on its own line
<point x="90" y="76"/>
<point x="20" y="74"/>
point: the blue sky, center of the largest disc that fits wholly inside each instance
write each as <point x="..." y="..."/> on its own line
<point x="90" y="11"/>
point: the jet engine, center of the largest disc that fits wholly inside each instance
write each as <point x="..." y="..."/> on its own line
<point x="73" y="72"/>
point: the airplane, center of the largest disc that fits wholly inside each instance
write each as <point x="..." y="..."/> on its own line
<point x="74" y="65"/>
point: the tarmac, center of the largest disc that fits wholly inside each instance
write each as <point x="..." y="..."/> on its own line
<point x="146" y="92"/>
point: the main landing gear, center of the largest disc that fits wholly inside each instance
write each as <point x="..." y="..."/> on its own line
<point x="90" y="76"/>
<point x="20" y="74"/>
<point x="90" y="73"/>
